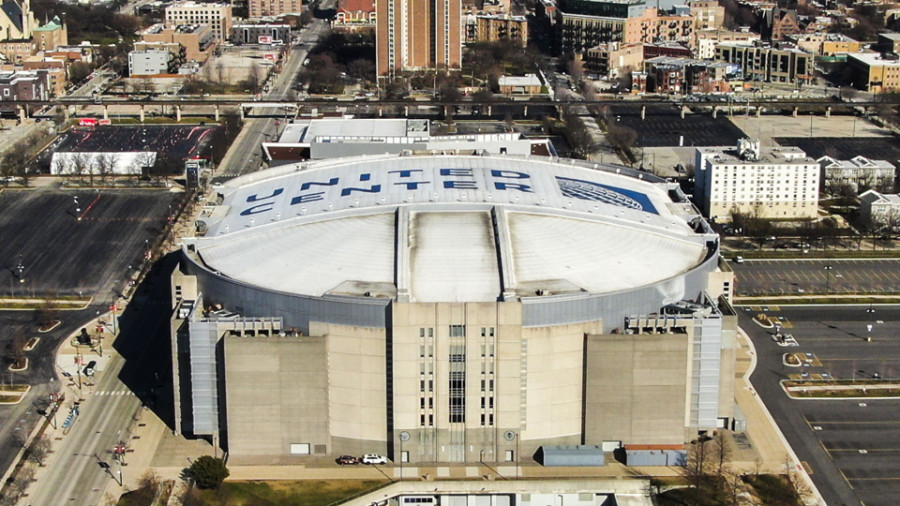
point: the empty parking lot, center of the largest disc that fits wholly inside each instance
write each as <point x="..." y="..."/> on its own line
<point x="817" y="276"/>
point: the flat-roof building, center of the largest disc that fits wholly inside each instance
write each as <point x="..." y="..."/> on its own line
<point x="215" y="15"/>
<point x="875" y="72"/>
<point x="319" y="139"/>
<point x="780" y="182"/>
<point x="418" y="35"/>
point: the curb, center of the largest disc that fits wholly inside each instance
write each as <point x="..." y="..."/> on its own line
<point x="790" y="450"/>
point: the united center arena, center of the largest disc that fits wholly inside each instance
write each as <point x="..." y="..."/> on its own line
<point x="477" y="306"/>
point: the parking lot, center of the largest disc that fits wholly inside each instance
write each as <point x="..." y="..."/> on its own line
<point x="817" y="276"/>
<point x="663" y="126"/>
<point x="60" y="254"/>
<point x="844" y="148"/>
<point x="850" y="446"/>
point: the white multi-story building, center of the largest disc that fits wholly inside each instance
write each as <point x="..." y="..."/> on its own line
<point x="149" y="62"/>
<point x="216" y="15"/>
<point x="858" y="172"/>
<point x="880" y="210"/>
<point x="779" y="182"/>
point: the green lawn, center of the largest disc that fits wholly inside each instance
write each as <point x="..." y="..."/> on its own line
<point x="296" y="493"/>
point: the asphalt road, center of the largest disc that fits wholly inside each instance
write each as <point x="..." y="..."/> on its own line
<point x="245" y="154"/>
<point x="64" y="256"/>
<point x="828" y="434"/>
<point x="817" y="276"/>
<point x="83" y="468"/>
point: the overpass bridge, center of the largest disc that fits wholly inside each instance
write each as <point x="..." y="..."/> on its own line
<point x="277" y="108"/>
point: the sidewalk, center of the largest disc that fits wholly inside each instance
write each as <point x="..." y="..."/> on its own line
<point x="74" y="385"/>
<point x="768" y="441"/>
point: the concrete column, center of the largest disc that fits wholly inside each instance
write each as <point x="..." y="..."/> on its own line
<point x="525" y="113"/>
<point x="66" y="112"/>
<point x="105" y="112"/>
<point x="683" y="111"/>
<point x="796" y="110"/>
<point x="217" y="113"/>
<point x="242" y="113"/>
<point x="23" y="114"/>
<point x="758" y="111"/>
<point x="643" y="112"/>
<point x="406" y="111"/>
<point x="142" y="114"/>
<point x="177" y="113"/>
<point x="715" y="111"/>
<point x="489" y="110"/>
<point x="827" y="112"/>
<point x="446" y="111"/>
<point x="380" y="111"/>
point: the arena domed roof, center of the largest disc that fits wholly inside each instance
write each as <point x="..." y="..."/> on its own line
<point x="448" y="229"/>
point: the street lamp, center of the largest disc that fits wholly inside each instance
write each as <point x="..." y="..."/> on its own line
<point x="404" y="436"/>
<point x="869" y="312"/>
<point x="20" y="269"/>
<point x="827" y="277"/>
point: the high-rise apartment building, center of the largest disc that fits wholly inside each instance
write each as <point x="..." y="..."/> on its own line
<point x="216" y="15"/>
<point x="417" y="35"/>
<point x="262" y="8"/>
<point x="778" y="182"/>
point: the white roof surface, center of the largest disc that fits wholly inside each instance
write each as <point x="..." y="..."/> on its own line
<point x="447" y="229"/>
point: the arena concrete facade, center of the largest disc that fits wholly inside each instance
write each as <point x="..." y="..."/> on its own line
<point x="450" y="309"/>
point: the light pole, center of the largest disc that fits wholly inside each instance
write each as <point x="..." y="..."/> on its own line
<point x="869" y="312"/>
<point x="20" y="269"/>
<point x="517" y="456"/>
<point x="827" y="277"/>
<point x="404" y="436"/>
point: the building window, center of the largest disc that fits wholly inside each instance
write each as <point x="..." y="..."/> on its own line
<point x="457" y="331"/>
<point x="457" y="397"/>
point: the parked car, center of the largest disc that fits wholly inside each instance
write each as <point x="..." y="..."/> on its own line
<point x="372" y="458"/>
<point x="347" y="460"/>
<point x="738" y="259"/>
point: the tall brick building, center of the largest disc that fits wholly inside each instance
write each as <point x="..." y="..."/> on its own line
<point x="418" y="35"/>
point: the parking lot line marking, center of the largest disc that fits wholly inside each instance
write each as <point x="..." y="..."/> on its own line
<point x="774" y="308"/>
<point x="862" y="450"/>
<point x="845" y="478"/>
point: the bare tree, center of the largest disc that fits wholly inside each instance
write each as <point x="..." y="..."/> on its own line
<point x="721" y="453"/>
<point x="39" y="449"/>
<point x="145" y="160"/>
<point x="579" y="137"/>
<point x="81" y="165"/>
<point x="15" y="350"/>
<point x="253" y="82"/>
<point x="148" y="487"/>
<point x="106" y="164"/>
<point x="48" y="314"/>
<point x="142" y="85"/>
<point x="220" y="73"/>
<point x="23" y="478"/>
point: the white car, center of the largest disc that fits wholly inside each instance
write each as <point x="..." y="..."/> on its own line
<point x="372" y="458"/>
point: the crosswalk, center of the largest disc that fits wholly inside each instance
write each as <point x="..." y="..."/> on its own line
<point x="112" y="393"/>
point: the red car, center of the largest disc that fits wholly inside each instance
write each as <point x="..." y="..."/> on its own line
<point x="347" y="460"/>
